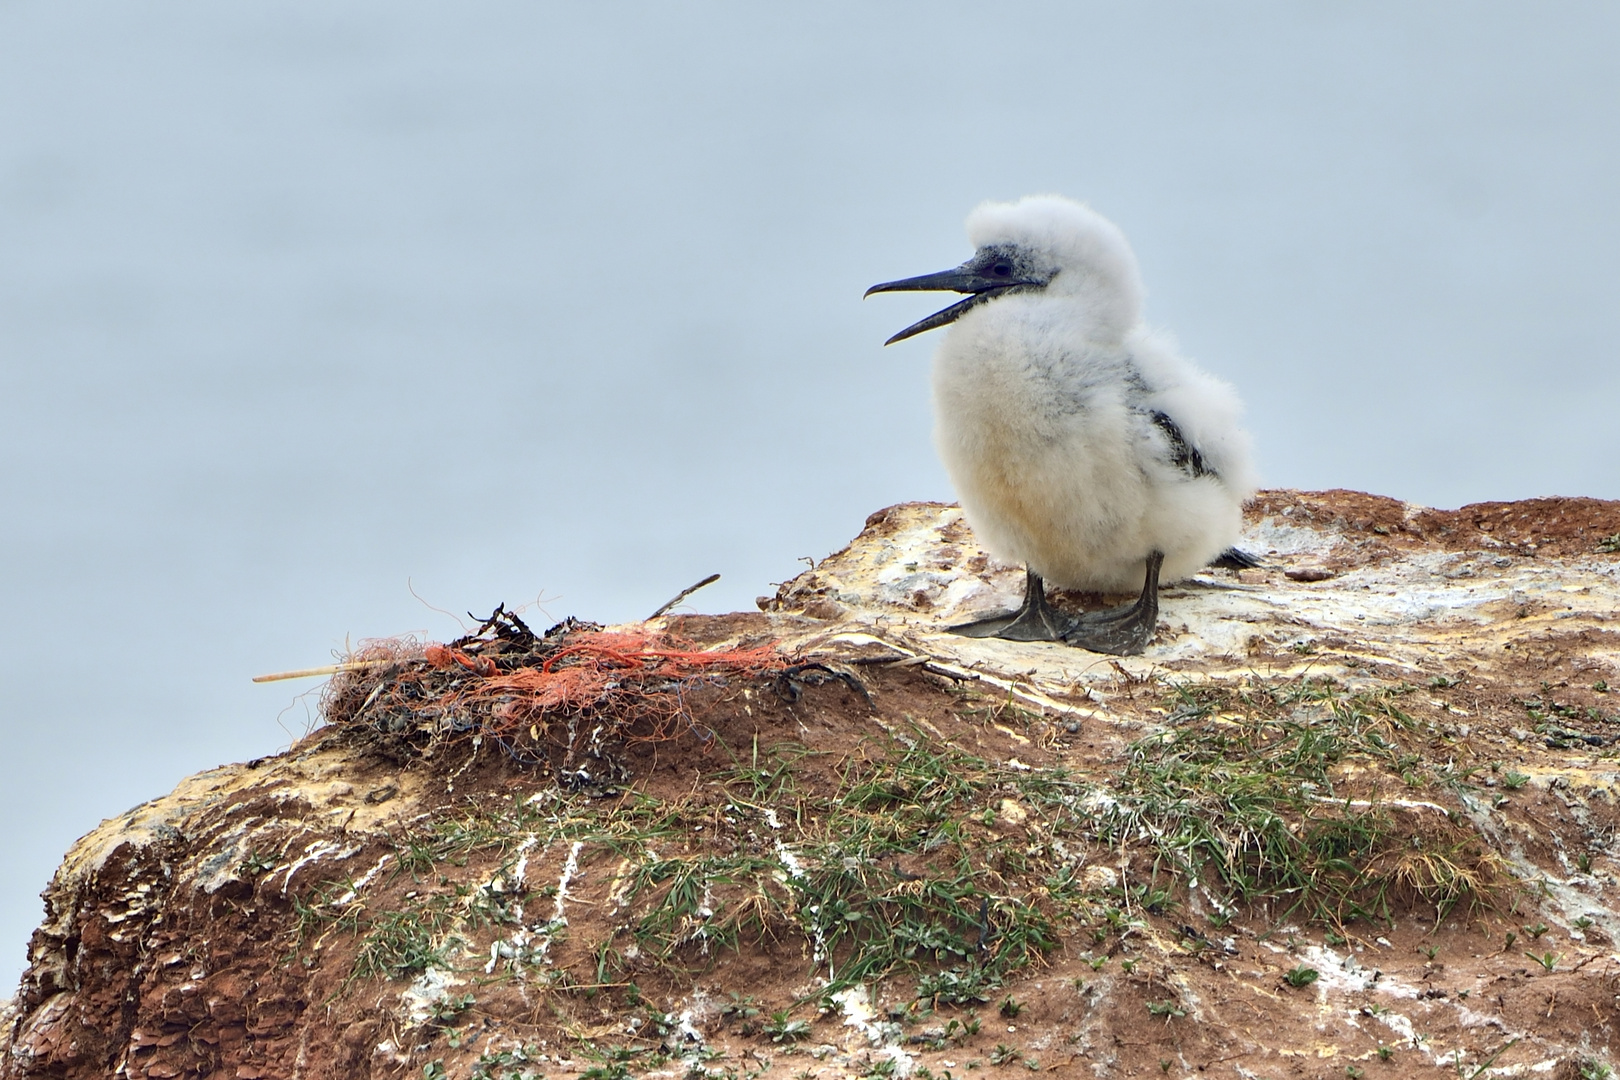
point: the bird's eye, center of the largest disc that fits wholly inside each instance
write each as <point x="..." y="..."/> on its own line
<point x="1002" y="269"/>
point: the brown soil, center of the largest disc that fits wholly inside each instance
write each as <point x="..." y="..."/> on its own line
<point x="1556" y="527"/>
<point x="139" y="972"/>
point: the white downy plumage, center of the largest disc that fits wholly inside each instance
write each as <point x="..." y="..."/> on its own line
<point x="1079" y="440"/>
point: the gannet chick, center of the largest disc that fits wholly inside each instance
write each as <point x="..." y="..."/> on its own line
<point x="1080" y="442"/>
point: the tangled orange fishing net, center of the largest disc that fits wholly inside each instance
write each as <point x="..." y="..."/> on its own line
<point x="569" y="694"/>
<point x="595" y="666"/>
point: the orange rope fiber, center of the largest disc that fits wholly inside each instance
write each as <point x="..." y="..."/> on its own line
<point x="646" y="672"/>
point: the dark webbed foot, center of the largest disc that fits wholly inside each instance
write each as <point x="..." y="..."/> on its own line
<point x="1235" y="559"/>
<point x="1035" y="619"/>
<point x="1121" y="631"/>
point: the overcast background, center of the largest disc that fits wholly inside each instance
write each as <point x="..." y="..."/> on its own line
<point x="306" y="305"/>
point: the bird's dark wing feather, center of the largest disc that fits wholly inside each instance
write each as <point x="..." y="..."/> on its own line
<point x="1235" y="559"/>
<point x="1183" y="454"/>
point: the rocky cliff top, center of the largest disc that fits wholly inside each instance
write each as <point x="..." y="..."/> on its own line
<point x="1352" y="814"/>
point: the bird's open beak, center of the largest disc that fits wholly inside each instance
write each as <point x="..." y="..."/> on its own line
<point x="964" y="279"/>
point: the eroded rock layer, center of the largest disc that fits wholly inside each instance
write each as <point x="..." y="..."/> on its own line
<point x="1352" y="814"/>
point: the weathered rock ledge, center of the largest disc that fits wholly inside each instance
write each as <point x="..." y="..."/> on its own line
<point x="1433" y="685"/>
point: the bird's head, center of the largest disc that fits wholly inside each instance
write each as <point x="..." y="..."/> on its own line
<point x="1042" y="243"/>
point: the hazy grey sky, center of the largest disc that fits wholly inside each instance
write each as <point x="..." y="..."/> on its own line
<point x="304" y="305"/>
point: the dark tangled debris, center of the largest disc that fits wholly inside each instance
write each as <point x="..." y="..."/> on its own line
<point x="565" y="700"/>
<point x="790" y="681"/>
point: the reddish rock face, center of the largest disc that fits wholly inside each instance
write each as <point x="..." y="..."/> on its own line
<point x="138" y="972"/>
<point x="1424" y="704"/>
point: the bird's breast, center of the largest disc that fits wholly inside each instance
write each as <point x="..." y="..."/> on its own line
<point x="1025" y="382"/>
